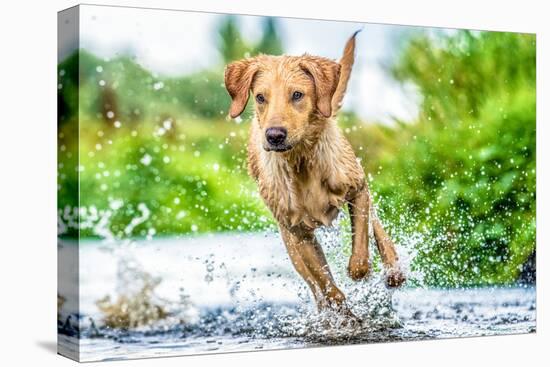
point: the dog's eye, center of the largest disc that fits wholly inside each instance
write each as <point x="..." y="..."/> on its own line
<point x="260" y="98"/>
<point x="296" y="96"/>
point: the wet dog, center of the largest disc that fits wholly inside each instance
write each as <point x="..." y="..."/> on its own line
<point x="305" y="168"/>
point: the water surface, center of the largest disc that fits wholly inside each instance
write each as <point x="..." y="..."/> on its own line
<point x="226" y="293"/>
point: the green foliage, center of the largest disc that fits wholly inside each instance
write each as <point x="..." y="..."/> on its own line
<point x="122" y="113"/>
<point x="457" y="74"/>
<point x="134" y="94"/>
<point x="184" y="180"/>
<point x="464" y="173"/>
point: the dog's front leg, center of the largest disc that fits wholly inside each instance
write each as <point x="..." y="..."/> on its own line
<point x="386" y="248"/>
<point x="359" y="209"/>
<point x="388" y="253"/>
<point x="309" y="261"/>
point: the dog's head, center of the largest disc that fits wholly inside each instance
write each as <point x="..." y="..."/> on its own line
<point x="293" y="95"/>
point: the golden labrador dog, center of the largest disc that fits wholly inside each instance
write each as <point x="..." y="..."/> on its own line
<point x="305" y="168"/>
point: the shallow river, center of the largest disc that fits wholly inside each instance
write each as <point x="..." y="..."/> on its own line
<point x="227" y="293"/>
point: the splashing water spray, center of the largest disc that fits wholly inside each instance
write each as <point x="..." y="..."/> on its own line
<point x="136" y="304"/>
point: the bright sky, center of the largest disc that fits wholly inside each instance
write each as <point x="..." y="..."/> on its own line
<point x="176" y="43"/>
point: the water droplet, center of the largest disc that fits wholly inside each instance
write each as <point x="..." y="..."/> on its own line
<point x="158" y="85"/>
<point x="146" y="160"/>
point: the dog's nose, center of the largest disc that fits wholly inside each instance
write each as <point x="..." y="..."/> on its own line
<point x="275" y="135"/>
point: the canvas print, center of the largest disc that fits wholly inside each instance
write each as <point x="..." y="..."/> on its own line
<point x="239" y="183"/>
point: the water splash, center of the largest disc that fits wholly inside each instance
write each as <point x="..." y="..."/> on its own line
<point x="136" y="304"/>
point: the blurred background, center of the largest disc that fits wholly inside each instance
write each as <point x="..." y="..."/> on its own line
<point x="444" y="122"/>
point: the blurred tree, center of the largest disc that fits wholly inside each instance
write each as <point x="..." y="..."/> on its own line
<point x="270" y="43"/>
<point x="231" y="44"/>
<point x="233" y="47"/>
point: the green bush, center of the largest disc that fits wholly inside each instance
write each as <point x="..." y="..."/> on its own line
<point x="464" y="173"/>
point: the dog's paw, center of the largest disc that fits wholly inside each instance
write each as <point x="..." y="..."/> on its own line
<point x="395" y="277"/>
<point x="358" y="268"/>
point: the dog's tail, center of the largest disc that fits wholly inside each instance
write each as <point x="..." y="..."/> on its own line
<point x="346" y="64"/>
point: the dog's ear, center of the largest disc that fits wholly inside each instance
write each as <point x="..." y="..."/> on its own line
<point x="238" y="79"/>
<point x="346" y="63"/>
<point x="325" y="74"/>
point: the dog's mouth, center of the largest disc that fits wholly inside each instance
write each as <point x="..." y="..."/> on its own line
<point x="277" y="148"/>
